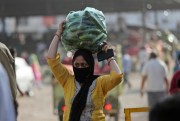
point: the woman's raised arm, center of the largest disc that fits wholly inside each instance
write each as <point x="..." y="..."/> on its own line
<point x="55" y="41"/>
<point x="111" y="61"/>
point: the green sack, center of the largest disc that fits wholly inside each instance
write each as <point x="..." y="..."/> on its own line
<point x="84" y="29"/>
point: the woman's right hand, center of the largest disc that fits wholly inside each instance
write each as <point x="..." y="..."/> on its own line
<point x="55" y="41"/>
<point x="60" y="28"/>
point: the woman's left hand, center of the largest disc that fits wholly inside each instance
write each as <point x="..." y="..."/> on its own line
<point x="106" y="47"/>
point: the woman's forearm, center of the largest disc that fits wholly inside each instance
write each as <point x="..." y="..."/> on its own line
<point x="53" y="47"/>
<point x="114" y="66"/>
<point x="55" y="41"/>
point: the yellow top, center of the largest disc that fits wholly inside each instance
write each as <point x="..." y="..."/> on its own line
<point x="96" y="95"/>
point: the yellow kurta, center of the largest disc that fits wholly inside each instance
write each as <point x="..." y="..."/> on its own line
<point x="102" y="85"/>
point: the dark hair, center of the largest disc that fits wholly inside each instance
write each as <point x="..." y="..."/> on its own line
<point x="12" y="51"/>
<point x="166" y="110"/>
<point x="152" y="55"/>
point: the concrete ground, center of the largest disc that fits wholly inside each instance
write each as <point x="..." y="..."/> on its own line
<point x="37" y="108"/>
<point x="131" y="98"/>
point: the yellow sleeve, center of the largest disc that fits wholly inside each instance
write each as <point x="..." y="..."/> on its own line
<point x="108" y="82"/>
<point x="60" y="72"/>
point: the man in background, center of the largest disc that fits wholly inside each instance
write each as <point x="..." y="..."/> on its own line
<point x="7" y="85"/>
<point x="155" y="74"/>
<point x="127" y="66"/>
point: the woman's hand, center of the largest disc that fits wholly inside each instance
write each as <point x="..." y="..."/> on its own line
<point x="111" y="61"/>
<point x="55" y="41"/>
<point x="106" y="47"/>
<point x="60" y="28"/>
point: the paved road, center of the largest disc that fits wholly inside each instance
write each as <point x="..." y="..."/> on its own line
<point x="131" y="98"/>
<point x="39" y="107"/>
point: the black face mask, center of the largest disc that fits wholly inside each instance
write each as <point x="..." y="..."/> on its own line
<point x="81" y="74"/>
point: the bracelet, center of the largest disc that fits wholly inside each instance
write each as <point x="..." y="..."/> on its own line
<point x="110" y="60"/>
<point x="57" y="35"/>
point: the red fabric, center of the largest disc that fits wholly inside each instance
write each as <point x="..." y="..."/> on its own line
<point x="174" y="87"/>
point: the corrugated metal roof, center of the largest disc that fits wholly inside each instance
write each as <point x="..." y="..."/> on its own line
<point x="57" y="7"/>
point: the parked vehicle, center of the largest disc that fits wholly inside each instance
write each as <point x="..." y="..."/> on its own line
<point x="24" y="75"/>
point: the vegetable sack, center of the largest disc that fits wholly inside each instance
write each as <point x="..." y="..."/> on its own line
<point x="85" y="29"/>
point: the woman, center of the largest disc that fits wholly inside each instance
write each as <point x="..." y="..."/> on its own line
<point x="84" y="92"/>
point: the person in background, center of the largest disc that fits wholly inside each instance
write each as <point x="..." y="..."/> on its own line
<point x="167" y="109"/>
<point x="14" y="54"/>
<point x="143" y="57"/>
<point x="175" y="80"/>
<point x="34" y="62"/>
<point x="127" y="66"/>
<point x="84" y="92"/>
<point x="155" y="74"/>
<point x="177" y="62"/>
<point x="8" y="87"/>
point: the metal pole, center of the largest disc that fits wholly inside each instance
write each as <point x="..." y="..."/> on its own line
<point x="3" y="25"/>
<point x="156" y="19"/>
<point x="16" y="24"/>
<point x="144" y="20"/>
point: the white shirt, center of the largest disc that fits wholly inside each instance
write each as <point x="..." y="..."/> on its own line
<point x="143" y="56"/>
<point x="156" y="71"/>
<point x="7" y="111"/>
